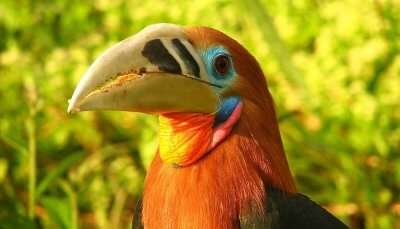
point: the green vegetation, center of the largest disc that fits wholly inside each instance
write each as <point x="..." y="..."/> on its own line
<point x="332" y="66"/>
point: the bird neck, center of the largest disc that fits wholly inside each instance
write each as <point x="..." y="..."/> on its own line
<point x="228" y="182"/>
<point x="186" y="138"/>
<point x="260" y="142"/>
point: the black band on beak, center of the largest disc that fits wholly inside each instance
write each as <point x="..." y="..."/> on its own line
<point x="187" y="58"/>
<point x="163" y="53"/>
<point x="158" y="55"/>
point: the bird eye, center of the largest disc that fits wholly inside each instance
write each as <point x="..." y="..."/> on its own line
<point x="222" y="64"/>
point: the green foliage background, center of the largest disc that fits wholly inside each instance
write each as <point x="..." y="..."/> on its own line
<point x="333" y="69"/>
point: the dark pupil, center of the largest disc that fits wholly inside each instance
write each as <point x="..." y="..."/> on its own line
<point x="221" y="64"/>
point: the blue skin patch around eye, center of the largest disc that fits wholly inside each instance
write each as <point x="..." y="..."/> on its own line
<point x="226" y="109"/>
<point x="208" y="56"/>
<point x="229" y="104"/>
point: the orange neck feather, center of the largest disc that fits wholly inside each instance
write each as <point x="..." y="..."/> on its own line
<point x="228" y="182"/>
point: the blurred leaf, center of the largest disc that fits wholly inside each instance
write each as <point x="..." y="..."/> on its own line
<point x="59" y="211"/>
<point x="17" y="221"/>
<point x="3" y="169"/>
<point x="58" y="171"/>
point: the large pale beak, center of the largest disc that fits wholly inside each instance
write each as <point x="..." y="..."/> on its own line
<point x="155" y="71"/>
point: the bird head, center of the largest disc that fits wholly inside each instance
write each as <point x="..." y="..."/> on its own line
<point x="199" y="81"/>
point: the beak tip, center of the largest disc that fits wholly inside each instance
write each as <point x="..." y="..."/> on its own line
<point x="72" y="107"/>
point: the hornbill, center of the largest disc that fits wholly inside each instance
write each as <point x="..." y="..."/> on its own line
<point x="220" y="161"/>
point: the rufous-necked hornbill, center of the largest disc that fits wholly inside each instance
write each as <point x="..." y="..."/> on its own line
<point x="220" y="162"/>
